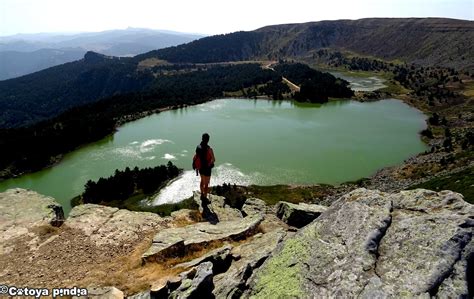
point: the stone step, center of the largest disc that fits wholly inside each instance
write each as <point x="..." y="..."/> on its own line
<point x="177" y="242"/>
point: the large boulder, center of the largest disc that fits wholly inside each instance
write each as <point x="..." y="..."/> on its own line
<point x="24" y="210"/>
<point x="373" y="244"/>
<point x="428" y="239"/>
<point x="298" y="215"/>
<point x="175" y="242"/>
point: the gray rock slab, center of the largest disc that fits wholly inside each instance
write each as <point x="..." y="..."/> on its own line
<point x="220" y="259"/>
<point x="254" y="206"/>
<point x="22" y="210"/>
<point x="218" y="207"/>
<point x="248" y="257"/>
<point x="298" y="215"/>
<point x="113" y="226"/>
<point x="178" y="241"/>
<point x="371" y="244"/>
<point x="200" y="286"/>
<point x="425" y="243"/>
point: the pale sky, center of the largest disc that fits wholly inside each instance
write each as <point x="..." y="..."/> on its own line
<point x="206" y="16"/>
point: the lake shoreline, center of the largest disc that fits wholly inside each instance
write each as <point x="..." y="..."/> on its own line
<point x="129" y="118"/>
<point x="378" y="179"/>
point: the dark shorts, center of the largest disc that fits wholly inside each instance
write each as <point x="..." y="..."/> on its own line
<point x="206" y="171"/>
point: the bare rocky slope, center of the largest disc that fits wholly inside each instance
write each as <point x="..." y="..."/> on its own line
<point x="366" y="244"/>
<point x="426" y="41"/>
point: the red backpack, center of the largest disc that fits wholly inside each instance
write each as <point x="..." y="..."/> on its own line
<point x="198" y="163"/>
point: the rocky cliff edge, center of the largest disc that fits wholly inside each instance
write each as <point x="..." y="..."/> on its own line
<point x="367" y="244"/>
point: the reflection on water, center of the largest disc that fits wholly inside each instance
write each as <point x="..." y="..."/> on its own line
<point x="183" y="187"/>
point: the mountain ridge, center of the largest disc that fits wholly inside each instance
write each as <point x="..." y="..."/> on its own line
<point x="24" y="54"/>
<point x="425" y="41"/>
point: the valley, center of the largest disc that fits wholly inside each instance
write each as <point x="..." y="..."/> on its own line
<point x="172" y="78"/>
<point x="344" y="158"/>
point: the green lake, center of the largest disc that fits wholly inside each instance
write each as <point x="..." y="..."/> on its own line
<point x="255" y="142"/>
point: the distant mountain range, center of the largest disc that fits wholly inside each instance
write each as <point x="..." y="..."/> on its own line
<point x="42" y="95"/>
<point x="27" y="53"/>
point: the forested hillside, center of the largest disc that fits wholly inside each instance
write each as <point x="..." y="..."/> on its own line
<point x="34" y="147"/>
<point x="316" y="86"/>
<point x="48" y="93"/>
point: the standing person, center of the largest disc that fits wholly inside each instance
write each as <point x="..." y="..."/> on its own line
<point x="206" y="156"/>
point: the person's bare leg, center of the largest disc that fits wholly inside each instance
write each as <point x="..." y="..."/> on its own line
<point x="205" y="185"/>
<point x="208" y="180"/>
<point x="202" y="186"/>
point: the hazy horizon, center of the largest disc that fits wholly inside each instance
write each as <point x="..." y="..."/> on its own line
<point x="58" y="33"/>
<point x="208" y="17"/>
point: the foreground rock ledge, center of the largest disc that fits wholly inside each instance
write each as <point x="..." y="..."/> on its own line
<point x="373" y="244"/>
<point x="176" y="242"/>
<point x="21" y="210"/>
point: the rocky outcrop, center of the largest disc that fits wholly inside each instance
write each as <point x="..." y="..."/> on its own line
<point x="230" y="267"/>
<point x="298" y="215"/>
<point x="186" y="216"/>
<point x="112" y="226"/>
<point x="175" y="242"/>
<point x="373" y="244"/>
<point x="247" y="258"/>
<point x="215" y="209"/>
<point x="197" y="284"/>
<point x="220" y="259"/>
<point x="194" y="283"/>
<point x="367" y="244"/>
<point x="254" y="206"/>
<point x="34" y="252"/>
<point x="24" y="210"/>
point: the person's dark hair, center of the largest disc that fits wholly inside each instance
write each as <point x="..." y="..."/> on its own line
<point x="205" y="139"/>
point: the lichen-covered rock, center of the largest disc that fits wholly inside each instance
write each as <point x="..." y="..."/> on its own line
<point x="113" y="226"/>
<point x="463" y="272"/>
<point x="199" y="286"/>
<point x="247" y="257"/>
<point x="254" y="206"/>
<point x="215" y="207"/>
<point x="373" y="244"/>
<point x="179" y="241"/>
<point x="23" y="210"/>
<point x="298" y="215"/>
<point x="428" y="236"/>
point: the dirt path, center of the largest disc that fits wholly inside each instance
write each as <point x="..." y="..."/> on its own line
<point x="290" y="84"/>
